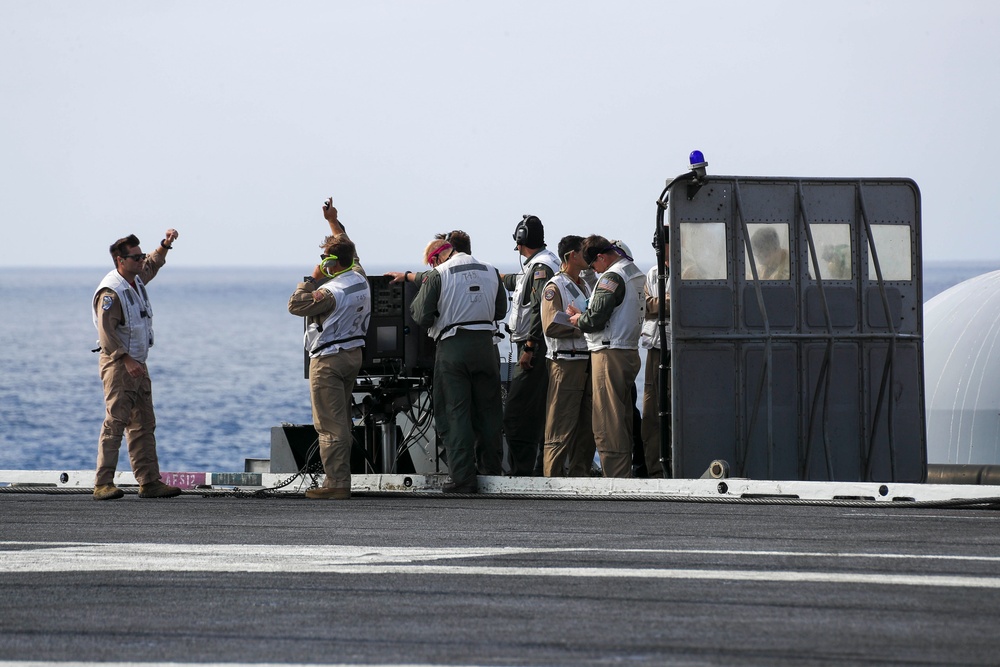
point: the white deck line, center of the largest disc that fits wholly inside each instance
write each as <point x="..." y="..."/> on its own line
<point x="591" y="487"/>
<point x="62" y="663"/>
<point x="20" y="557"/>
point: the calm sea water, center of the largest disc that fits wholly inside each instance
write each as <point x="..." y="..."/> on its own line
<point x="226" y="367"/>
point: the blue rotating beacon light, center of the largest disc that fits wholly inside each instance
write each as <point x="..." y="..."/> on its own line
<point x="698" y="164"/>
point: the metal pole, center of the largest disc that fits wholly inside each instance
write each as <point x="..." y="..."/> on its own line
<point x="695" y="175"/>
<point x="388" y="444"/>
<point x="662" y="379"/>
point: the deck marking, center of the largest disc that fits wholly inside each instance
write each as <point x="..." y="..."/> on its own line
<point x="62" y="663"/>
<point x="355" y="554"/>
<point x="34" y="557"/>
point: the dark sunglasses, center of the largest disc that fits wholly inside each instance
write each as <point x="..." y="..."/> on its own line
<point x="139" y="256"/>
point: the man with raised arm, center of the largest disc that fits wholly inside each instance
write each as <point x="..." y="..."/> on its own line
<point x="336" y="301"/>
<point x="123" y="316"/>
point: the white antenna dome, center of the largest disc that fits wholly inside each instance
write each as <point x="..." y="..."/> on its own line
<point x="962" y="372"/>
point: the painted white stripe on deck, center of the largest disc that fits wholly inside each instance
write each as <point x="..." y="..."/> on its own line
<point x="358" y="554"/>
<point x="811" y="554"/>
<point x="27" y="557"/>
<point x="44" y="663"/>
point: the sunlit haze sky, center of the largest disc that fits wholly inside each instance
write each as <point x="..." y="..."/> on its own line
<point x="233" y="121"/>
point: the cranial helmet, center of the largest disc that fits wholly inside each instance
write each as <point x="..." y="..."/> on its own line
<point x="529" y="232"/>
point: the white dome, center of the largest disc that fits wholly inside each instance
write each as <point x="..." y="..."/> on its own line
<point x="962" y="372"/>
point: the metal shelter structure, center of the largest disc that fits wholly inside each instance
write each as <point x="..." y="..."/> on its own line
<point x="796" y="309"/>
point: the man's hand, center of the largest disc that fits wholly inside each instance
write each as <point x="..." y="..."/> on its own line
<point x="330" y="213"/>
<point x="526" y="359"/>
<point x="397" y="276"/>
<point x="318" y="274"/>
<point x="574" y="314"/>
<point x="170" y="236"/>
<point x="133" y="367"/>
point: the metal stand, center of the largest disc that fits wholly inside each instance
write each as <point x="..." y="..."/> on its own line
<point x="386" y="397"/>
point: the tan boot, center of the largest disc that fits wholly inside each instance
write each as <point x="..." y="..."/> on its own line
<point x="158" y="489"/>
<point x="107" y="492"/>
<point x="326" y="493"/>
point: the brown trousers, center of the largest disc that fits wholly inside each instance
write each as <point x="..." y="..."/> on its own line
<point x="614" y="374"/>
<point x="331" y="385"/>
<point x="129" y="412"/>
<point x="569" y="436"/>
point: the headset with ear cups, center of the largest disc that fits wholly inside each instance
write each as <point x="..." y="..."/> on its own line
<point x="521" y="231"/>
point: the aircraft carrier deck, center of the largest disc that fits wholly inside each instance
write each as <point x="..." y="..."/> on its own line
<point x="630" y="576"/>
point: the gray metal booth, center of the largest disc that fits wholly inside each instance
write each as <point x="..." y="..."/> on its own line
<point x="796" y="310"/>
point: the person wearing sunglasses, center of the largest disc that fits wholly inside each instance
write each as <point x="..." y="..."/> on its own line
<point x="612" y="324"/>
<point x="124" y="320"/>
<point x="336" y="302"/>
<point x="569" y="438"/>
<point x="459" y="303"/>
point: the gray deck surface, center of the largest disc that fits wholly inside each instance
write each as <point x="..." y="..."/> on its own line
<point x="470" y="581"/>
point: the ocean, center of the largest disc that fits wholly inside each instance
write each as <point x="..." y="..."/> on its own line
<point x="226" y="367"/>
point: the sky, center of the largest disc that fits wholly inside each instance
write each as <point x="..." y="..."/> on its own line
<point x="233" y="121"/>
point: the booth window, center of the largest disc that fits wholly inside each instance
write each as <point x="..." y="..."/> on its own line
<point x="833" y="250"/>
<point x="893" y="245"/>
<point x="703" y="250"/>
<point x="769" y="242"/>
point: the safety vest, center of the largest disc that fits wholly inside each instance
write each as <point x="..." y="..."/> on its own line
<point x="650" y="328"/>
<point x="468" y="297"/>
<point x="520" y="313"/>
<point x="346" y="325"/>
<point x="136" y="330"/>
<point x="578" y="295"/>
<point x="623" y="329"/>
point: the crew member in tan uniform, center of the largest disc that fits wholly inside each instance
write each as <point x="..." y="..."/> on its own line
<point x="569" y="436"/>
<point x="337" y="302"/>
<point x="124" y="320"/>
